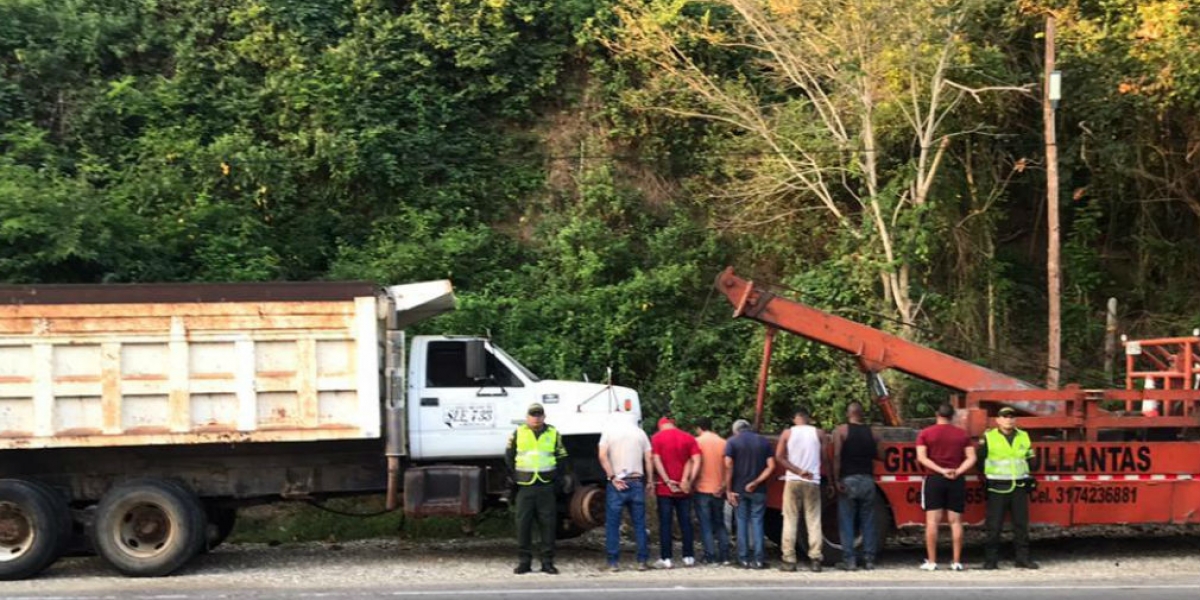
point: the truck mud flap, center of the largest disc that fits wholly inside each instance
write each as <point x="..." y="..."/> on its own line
<point x="443" y="490"/>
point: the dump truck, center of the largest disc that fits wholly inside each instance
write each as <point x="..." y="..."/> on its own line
<point x="141" y="417"/>
<point x="1102" y="456"/>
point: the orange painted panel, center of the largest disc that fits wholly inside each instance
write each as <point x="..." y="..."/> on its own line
<point x="1068" y="492"/>
<point x="905" y="499"/>
<point x="1118" y="502"/>
<point x="1185" y="503"/>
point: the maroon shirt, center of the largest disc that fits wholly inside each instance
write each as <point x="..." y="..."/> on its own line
<point x="946" y="445"/>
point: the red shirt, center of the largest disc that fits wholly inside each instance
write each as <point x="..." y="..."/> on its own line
<point x="946" y="445"/>
<point x="675" y="448"/>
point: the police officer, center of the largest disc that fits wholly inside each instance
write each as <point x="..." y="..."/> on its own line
<point x="1005" y="452"/>
<point x="536" y="455"/>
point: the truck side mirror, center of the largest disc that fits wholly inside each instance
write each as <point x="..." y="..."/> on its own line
<point x="476" y="360"/>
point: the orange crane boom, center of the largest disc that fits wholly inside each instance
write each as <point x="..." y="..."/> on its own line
<point x="874" y="350"/>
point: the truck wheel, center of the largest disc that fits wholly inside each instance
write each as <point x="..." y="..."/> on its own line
<point x="221" y="520"/>
<point x="772" y="525"/>
<point x="568" y="530"/>
<point x="831" y="550"/>
<point x="30" y="529"/>
<point x="833" y="535"/>
<point x="585" y="508"/>
<point x="581" y="512"/>
<point x="149" y="527"/>
<point x="62" y="512"/>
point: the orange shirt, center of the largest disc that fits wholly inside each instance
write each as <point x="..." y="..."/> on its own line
<point x="712" y="463"/>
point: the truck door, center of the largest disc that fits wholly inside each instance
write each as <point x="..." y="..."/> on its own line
<point x="459" y="415"/>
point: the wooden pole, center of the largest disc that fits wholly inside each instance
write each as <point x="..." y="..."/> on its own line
<point x="1053" y="266"/>
<point x="1110" y="340"/>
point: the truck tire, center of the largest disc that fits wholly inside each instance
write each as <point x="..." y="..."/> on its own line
<point x="831" y="552"/>
<point x="62" y="512"/>
<point x="31" y="529"/>
<point x="568" y="530"/>
<point x="831" y="547"/>
<point x="584" y="511"/>
<point x="149" y="527"/>
<point x="221" y="520"/>
<point x="833" y="535"/>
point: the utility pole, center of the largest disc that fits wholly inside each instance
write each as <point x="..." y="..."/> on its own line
<point x="1052" y="92"/>
<point x="1110" y="340"/>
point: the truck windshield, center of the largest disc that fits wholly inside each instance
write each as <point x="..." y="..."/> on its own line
<point x="516" y="365"/>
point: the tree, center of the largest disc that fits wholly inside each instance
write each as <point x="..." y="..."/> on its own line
<point x="1131" y="140"/>
<point x="849" y="102"/>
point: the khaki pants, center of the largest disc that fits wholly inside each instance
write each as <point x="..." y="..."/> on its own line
<point x="797" y="496"/>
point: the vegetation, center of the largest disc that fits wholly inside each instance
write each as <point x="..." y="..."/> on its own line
<point x="582" y="169"/>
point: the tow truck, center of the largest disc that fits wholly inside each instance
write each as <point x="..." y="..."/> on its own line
<point x="1102" y="456"/>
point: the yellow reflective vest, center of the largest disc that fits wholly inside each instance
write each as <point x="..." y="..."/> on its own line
<point x="1005" y="461"/>
<point x="535" y="456"/>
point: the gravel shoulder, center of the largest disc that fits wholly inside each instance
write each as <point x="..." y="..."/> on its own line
<point x="487" y="563"/>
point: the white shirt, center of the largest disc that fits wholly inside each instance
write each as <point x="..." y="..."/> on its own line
<point x="626" y="445"/>
<point x="804" y="451"/>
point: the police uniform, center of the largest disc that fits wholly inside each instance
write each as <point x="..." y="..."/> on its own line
<point x="536" y="458"/>
<point x="1006" y="467"/>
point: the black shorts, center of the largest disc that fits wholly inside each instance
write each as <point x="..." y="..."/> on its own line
<point x="939" y="493"/>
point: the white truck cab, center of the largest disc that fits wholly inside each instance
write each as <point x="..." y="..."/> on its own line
<point x="466" y="395"/>
<point x="460" y="397"/>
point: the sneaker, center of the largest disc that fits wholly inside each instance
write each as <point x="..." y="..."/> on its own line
<point x="815" y="565"/>
<point x="689" y="561"/>
<point x="549" y="569"/>
<point x="743" y="564"/>
<point x="758" y="565"/>
<point x="663" y="563"/>
<point x="957" y="567"/>
<point x="990" y="566"/>
<point x="869" y="565"/>
<point x="789" y="567"/>
<point x="521" y="569"/>
<point x="613" y="568"/>
<point x="928" y="566"/>
<point x="1026" y="564"/>
<point x="848" y="565"/>
<point x="643" y="566"/>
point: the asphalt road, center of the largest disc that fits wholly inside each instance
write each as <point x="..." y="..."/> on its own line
<point x="1092" y="568"/>
<point x="544" y="587"/>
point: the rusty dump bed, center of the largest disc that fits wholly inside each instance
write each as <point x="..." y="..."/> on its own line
<point x="143" y="293"/>
<point x="131" y="365"/>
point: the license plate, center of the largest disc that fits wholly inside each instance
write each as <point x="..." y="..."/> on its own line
<point x="470" y="416"/>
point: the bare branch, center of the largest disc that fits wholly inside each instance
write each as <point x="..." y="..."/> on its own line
<point x="977" y="92"/>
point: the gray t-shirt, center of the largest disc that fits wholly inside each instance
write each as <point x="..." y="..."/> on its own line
<point x="626" y="445"/>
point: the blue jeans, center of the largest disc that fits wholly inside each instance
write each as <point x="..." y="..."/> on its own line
<point x="711" y="510"/>
<point x="682" y="508"/>
<point x="615" y="502"/>
<point x="750" y="511"/>
<point x="857" y="504"/>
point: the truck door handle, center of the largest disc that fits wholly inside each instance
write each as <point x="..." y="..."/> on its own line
<point x="429" y="401"/>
